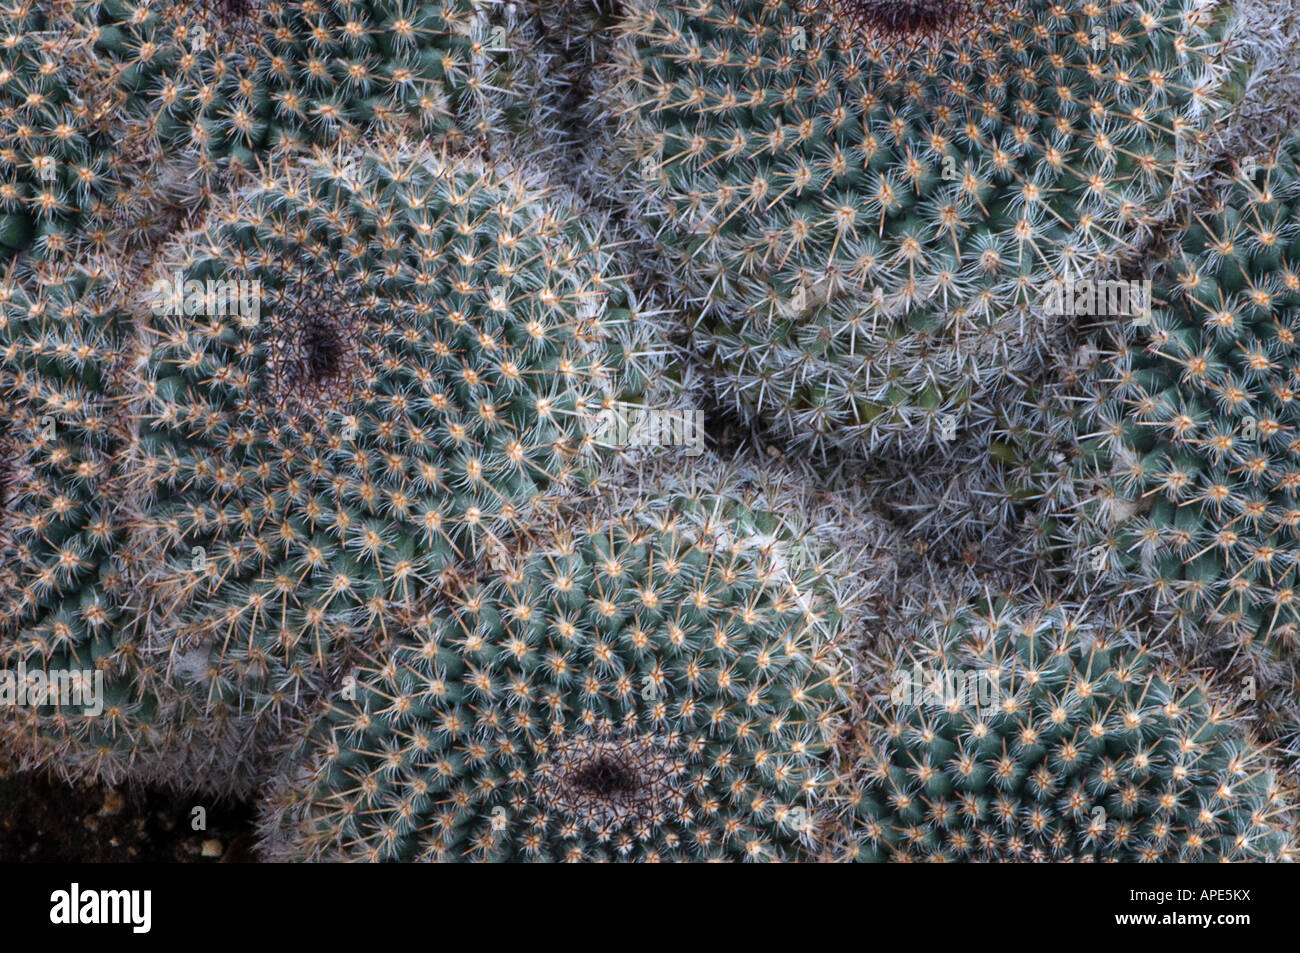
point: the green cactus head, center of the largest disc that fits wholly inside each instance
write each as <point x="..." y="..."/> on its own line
<point x="62" y="156"/>
<point x="659" y="686"/>
<point x="58" y="345"/>
<point x="62" y="584"/>
<point x="1026" y="730"/>
<point x="96" y="706"/>
<point x="1192" y="422"/>
<point x="868" y="239"/>
<point x="235" y="82"/>
<point x="362" y="374"/>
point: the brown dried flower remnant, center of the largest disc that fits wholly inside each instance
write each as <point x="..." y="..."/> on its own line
<point x="608" y="785"/>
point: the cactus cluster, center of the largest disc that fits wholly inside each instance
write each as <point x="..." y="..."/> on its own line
<point x="363" y="373"/>
<point x="1026" y="730"/>
<point x="869" y="236"/>
<point x="346" y="354"/>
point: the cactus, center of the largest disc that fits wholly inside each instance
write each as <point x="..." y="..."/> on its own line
<point x="1188" y="496"/>
<point x="342" y="449"/>
<point x="68" y="608"/>
<point x="57" y="346"/>
<point x="1028" y="730"/>
<point x="61" y="584"/>
<point x="418" y="368"/>
<point x="64" y="158"/>
<point x="867" y="237"/>
<point x="660" y="685"/>
<point x="1192" y="496"/>
<point x="234" y="83"/>
<point x="421" y="367"/>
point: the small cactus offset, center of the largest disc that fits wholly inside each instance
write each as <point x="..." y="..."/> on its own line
<point x="1022" y="730"/>
<point x="664" y="686"/>
<point x="867" y="235"/>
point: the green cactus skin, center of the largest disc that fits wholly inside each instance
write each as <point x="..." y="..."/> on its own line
<point x="370" y="553"/>
<point x="867" y="238"/>
<point x="1080" y="749"/>
<point x="659" y="686"/>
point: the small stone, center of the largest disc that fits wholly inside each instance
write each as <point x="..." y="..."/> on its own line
<point x="113" y="803"/>
<point x="212" y="848"/>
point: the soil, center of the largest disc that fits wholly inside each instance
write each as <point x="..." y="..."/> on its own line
<point x="45" y="820"/>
